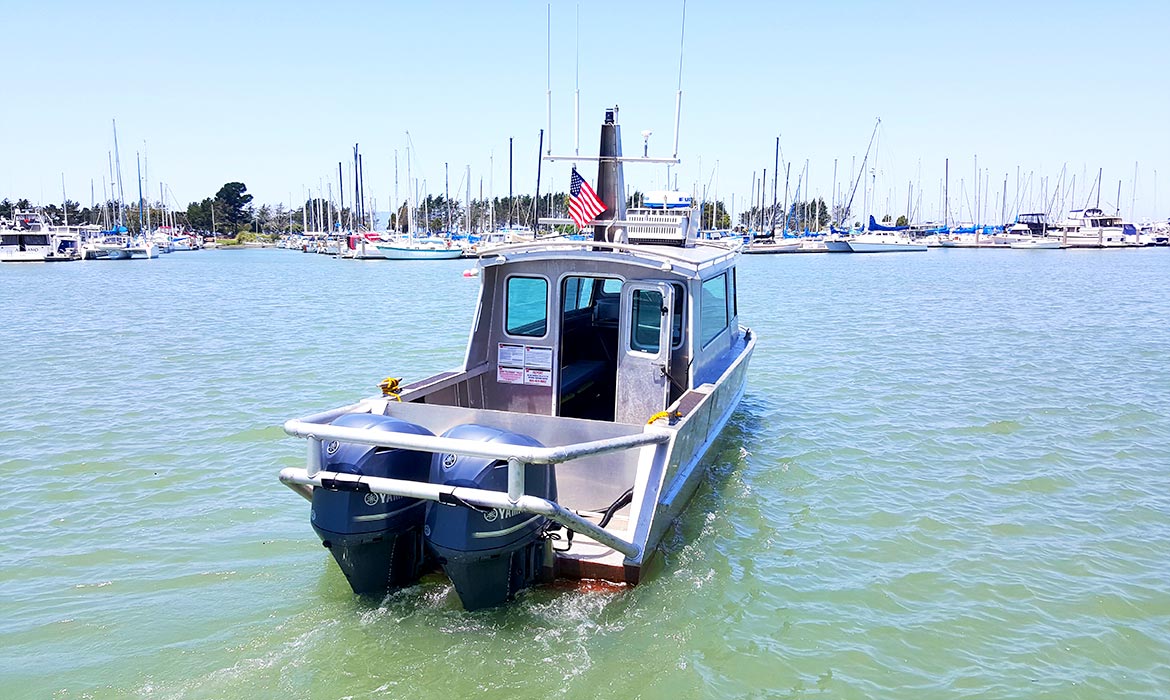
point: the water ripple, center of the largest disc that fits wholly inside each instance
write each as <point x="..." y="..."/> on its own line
<point x="947" y="479"/>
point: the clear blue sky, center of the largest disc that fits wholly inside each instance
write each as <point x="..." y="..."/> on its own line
<point x="274" y="94"/>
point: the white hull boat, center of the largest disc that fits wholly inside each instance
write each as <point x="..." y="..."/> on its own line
<point x="758" y="248"/>
<point x="1035" y="244"/>
<point x="420" y="249"/>
<point x="883" y="243"/>
<point x="120" y="248"/>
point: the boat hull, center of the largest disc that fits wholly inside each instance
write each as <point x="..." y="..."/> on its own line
<point x="37" y="254"/>
<point x="771" y="248"/>
<point x="399" y="253"/>
<point x="861" y="247"/>
<point x="1035" y="245"/>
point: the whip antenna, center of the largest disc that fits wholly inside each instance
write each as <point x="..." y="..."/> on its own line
<point x="576" y="90"/>
<point x="678" y="95"/>
<point x="548" y="74"/>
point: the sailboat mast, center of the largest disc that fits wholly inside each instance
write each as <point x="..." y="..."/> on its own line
<point x="775" y="183"/>
<point x="409" y="194"/>
<point x="361" y="175"/>
<point x="140" y="229"/>
<point x="509" y="182"/>
<point x="833" y="195"/>
<point x="121" y="195"/>
<point x="1003" y="202"/>
<point x="146" y="176"/>
<point x="947" y="193"/>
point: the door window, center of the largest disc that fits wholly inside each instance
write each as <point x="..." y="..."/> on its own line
<point x="646" y="320"/>
<point x="713" y="308"/>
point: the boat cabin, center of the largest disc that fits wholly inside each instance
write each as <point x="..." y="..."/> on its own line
<point x="616" y="334"/>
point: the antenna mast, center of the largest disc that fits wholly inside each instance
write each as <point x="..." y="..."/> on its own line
<point x="678" y="95"/>
<point x="576" y="91"/>
<point x="548" y="74"/>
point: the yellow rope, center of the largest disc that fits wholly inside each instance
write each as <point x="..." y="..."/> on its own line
<point x="390" y="387"/>
<point x="672" y="415"/>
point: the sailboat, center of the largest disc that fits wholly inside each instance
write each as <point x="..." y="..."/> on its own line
<point x="883" y="239"/>
<point x="411" y="247"/>
<point x="118" y="244"/>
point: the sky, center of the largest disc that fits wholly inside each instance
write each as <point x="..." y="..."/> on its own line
<point x="275" y="94"/>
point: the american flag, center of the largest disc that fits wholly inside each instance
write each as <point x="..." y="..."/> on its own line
<point x="584" y="204"/>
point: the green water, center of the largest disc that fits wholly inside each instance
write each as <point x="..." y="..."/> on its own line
<point x="950" y="477"/>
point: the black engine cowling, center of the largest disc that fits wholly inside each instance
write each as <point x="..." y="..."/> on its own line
<point x="376" y="539"/>
<point x="489" y="554"/>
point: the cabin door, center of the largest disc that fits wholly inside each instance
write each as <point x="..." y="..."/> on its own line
<point x="643" y="362"/>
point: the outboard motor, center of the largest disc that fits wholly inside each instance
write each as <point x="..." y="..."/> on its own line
<point x="489" y="554"/>
<point x="376" y="539"/>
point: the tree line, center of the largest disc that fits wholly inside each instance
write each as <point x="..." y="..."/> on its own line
<point x="232" y="210"/>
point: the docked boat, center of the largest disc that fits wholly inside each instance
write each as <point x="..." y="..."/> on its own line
<point x="838" y="240"/>
<point x="765" y="247"/>
<point x="1091" y="228"/>
<point x="33" y="239"/>
<point x="119" y="245"/>
<point x="1035" y="244"/>
<point x="597" y="376"/>
<point x="883" y="242"/>
<point x="412" y="248"/>
<point x="364" y="246"/>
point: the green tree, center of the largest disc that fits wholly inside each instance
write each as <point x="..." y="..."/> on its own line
<point x="199" y="214"/>
<point x="902" y="221"/>
<point x="232" y="206"/>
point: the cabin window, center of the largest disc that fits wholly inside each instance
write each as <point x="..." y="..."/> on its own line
<point x="645" y="320"/>
<point x="713" y="309"/>
<point x="732" y="299"/>
<point x="676" y="320"/>
<point x="527" y="311"/>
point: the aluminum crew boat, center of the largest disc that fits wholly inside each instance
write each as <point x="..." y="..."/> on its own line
<point x="597" y="376"/>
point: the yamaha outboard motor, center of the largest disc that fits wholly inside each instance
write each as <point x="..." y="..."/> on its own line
<point x="489" y="554"/>
<point x="376" y="539"/>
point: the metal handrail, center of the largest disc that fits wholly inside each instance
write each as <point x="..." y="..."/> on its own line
<point x="472" y="448"/>
<point x="640" y="249"/>
<point x="317" y="430"/>
<point x="297" y="479"/>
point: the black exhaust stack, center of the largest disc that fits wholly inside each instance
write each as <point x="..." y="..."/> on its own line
<point x="611" y="185"/>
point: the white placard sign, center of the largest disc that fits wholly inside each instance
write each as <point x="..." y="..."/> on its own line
<point x="538" y="357"/>
<point x="510" y="355"/>
<point x="509" y="375"/>
<point x="538" y="377"/>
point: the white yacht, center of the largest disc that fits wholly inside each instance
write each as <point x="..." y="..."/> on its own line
<point x="1090" y="228"/>
<point x="597" y="375"/>
<point x="31" y="238"/>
